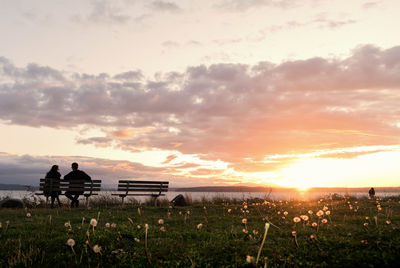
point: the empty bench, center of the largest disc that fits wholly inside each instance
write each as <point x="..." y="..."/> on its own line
<point x="89" y="188"/>
<point x="141" y="188"/>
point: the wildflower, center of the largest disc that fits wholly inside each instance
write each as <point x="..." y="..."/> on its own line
<point x="314" y="224"/>
<point x="160" y="221"/>
<point x="245" y="206"/>
<point x="285" y="213"/>
<point x="28" y="215"/>
<point x="247" y="211"/>
<point x="188" y="212"/>
<point x="365" y="224"/>
<point x="325" y="208"/>
<point x="388" y="222"/>
<point x="296" y="219"/>
<point x="320" y="213"/>
<point x="71" y="242"/>
<point x="229" y="210"/>
<point x="113" y="225"/>
<point x="310" y="212"/>
<point x="96" y="249"/>
<point x="324" y="220"/>
<point x="245" y="231"/>
<point x="294" y="233"/>
<point x="199" y="226"/>
<point x="137" y="239"/>
<point x="107" y="225"/>
<point x="180" y="212"/>
<point x="279" y="213"/>
<point x="327" y="213"/>
<point x="67" y="224"/>
<point x="244" y="221"/>
<point x="139" y="227"/>
<point x="367" y="218"/>
<point x="162" y="229"/>
<point x="93" y="222"/>
<point x="304" y="217"/>
<point x="250" y="259"/>
<point x="312" y="236"/>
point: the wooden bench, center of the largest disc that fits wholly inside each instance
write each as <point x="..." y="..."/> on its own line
<point x="141" y="188"/>
<point x="88" y="188"/>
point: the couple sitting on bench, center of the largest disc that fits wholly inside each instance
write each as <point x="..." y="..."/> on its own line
<point x="74" y="175"/>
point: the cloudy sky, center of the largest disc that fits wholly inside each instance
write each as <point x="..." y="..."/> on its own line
<point x="294" y="93"/>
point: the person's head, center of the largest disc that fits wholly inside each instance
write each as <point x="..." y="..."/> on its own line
<point x="74" y="166"/>
<point x="54" y="168"/>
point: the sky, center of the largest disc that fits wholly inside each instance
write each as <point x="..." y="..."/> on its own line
<point x="293" y="93"/>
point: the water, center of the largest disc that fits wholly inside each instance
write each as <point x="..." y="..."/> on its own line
<point x="198" y="196"/>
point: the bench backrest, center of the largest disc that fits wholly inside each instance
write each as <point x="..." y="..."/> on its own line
<point x="49" y="185"/>
<point x="142" y="186"/>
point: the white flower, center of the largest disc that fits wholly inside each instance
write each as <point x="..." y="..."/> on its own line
<point x="108" y="225"/>
<point x="138" y="227"/>
<point x="96" y="249"/>
<point x="245" y="206"/>
<point x="93" y="222"/>
<point x="296" y="219"/>
<point x="324" y="220"/>
<point x="310" y="212"/>
<point x="229" y="210"/>
<point x="285" y="213"/>
<point x="199" y="226"/>
<point x="294" y="233"/>
<point x="328" y="213"/>
<point x="137" y="239"/>
<point x="71" y="242"/>
<point x="314" y="224"/>
<point x="244" y="221"/>
<point x="320" y="213"/>
<point x="28" y="215"/>
<point x="325" y="208"/>
<point x="113" y="225"/>
<point x="160" y="221"/>
<point x="365" y="224"/>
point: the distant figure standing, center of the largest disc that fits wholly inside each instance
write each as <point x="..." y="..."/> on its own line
<point x="53" y="177"/>
<point x="371" y="192"/>
<point x="75" y="175"/>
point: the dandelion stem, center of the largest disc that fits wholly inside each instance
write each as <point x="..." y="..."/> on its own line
<point x="145" y="244"/>
<point x="262" y="243"/>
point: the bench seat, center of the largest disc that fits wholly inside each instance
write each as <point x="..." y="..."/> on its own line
<point x="141" y="188"/>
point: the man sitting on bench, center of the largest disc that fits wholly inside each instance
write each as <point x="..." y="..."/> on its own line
<point x="75" y="175"/>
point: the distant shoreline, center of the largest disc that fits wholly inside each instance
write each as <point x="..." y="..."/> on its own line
<point x="245" y="189"/>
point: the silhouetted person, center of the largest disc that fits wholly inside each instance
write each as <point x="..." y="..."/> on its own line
<point x="75" y="175"/>
<point x="53" y="177"/>
<point x="371" y="192"/>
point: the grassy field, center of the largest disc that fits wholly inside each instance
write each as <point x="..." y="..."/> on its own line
<point x="331" y="232"/>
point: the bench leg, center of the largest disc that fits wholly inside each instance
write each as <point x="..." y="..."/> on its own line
<point x="122" y="201"/>
<point x="87" y="202"/>
<point x="155" y="201"/>
<point x="47" y="201"/>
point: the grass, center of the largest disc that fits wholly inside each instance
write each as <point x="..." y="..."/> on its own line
<point x="358" y="232"/>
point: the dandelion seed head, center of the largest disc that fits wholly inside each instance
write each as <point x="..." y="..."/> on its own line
<point x="162" y="229"/>
<point x="160" y="221"/>
<point x="285" y="213"/>
<point x="229" y="210"/>
<point x="304" y="217"/>
<point x="296" y="219"/>
<point x="137" y="239"/>
<point x="113" y="225"/>
<point x="365" y="224"/>
<point x="294" y="233"/>
<point x="96" y="249"/>
<point x="71" y="242"/>
<point x="28" y="215"/>
<point x="388" y="222"/>
<point x="320" y="213"/>
<point x="250" y="259"/>
<point x="310" y="212"/>
<point x="324" y="220"/>
<point x="327" y="212"/>
<point x="314" y="224"/>
<point x="93" y="222"/>
<point x="199" y="226"/>
<point x="244" y="221"/>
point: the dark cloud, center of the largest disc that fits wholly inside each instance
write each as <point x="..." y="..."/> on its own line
<point x="222" y="111"/>
<point x="159" y="5"/>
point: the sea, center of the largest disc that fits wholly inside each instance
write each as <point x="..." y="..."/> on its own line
<point x="199" y="196"/>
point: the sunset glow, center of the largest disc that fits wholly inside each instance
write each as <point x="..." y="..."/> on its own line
<point x="260" y="93"/>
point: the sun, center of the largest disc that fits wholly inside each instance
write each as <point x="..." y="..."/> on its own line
<point x="308" y="173"/>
